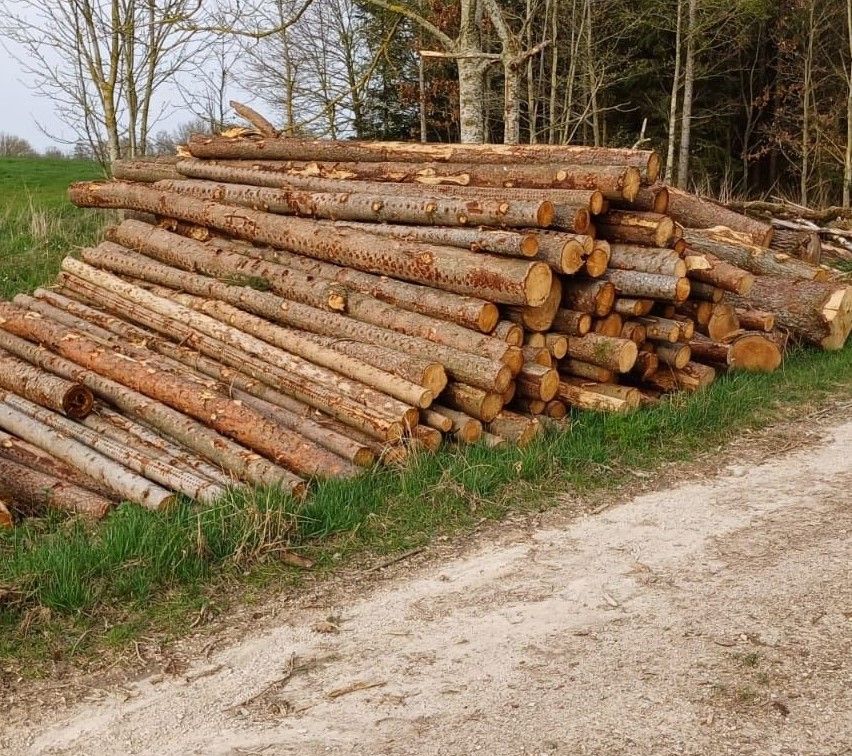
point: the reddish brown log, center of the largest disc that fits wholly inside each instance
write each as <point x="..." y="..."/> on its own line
<point x="648" y="285"/>
<point x="43" y="388"/>
<point x="695" y="212"/>
<point x="632" y="227"/>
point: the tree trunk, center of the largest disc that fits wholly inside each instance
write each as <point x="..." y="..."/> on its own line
<point x="723" y="275"/>
<point x="511" y="281"/>
<point x="753" y="352"/>
<point x="693" y="377"/>
<point x="665" y="262"/>
<point x="43" y="388"/>
<point x="538" y="318"/>
<point x="147" y="170"/>
<point x="672" y="132"/>
<point x="588" y="371"/>
<point x="509" y="332"/>
<point x="611" y="325"/>
<point x="805" y="245"/>
<point x="688" y="84"/>
<point x="628" y="227"/>
<point x="673" y="355"/>
<point x="755" y="320"/>
<point x="605" y="351"/>
<point x="692" y="211"/>
<point x="648" y="285"/>
<point x="660" y="329"/>
<point x="585" y="398"/>
<point x="471" y="99"/>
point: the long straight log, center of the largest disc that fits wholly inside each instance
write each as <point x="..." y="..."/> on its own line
<point x="666" y="262"/>
<point x="413" y="152"/>
<point x="44" y="389"/>
<point x="628" y="394"/>
<point x="648" y="285"/>
<point x="695" y="212"/>
<point x="605" y="351"/>
<point x="692" y="377"/>
<point x="612" y="181"/>
<point x="496" y="279"/>
<point x="240" y="461"/>
<point x="222" y="414"/>
<point x="820" y="313"/>
<point x="146" y="170"/>
<point x="723" y="275"/>
<point x="124" y="483"/>
<point x="164" y="472"/>
<point x="38" y="491"/>
<point x="396" y="207"/>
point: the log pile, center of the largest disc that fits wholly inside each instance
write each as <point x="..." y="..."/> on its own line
<point x="273" y="310"/>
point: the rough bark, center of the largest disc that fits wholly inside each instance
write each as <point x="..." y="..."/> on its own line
<point x="755" y="320"/>
<point x="648" y="285"/>
<point x="605" y="351"/>
<point x="513" y="427"/>
<point x="146" y="170"/>
<point x="482" y="405"/>
<point x="509" y="332"/>
<point x="587" y="399"/>
<point x="646" y="260"/>
<point x="660" y="329"/>
<point x="465" y="428"/>
<point x="633" y="227"/>
<point x="587" y="370"/>
<point x="694" y="212"/>
<point x="805" y="245"/>
<point x="43" y="388"/>
<point x="496" y="279"/>
<point x="538" y="382"/>
<point x="557" y="345"/>
<point x="594" y="297"/>
<point x="632" y="307"/>
<point x="674" y="355"/>
<point x="571" y="323"/>
<point x="723" y="275"/>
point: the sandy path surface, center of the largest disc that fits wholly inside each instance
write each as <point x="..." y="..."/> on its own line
<point x="709" y="618"/>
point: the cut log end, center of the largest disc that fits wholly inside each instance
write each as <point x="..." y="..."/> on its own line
<point x="633" y="179"/>
<point x="837" y="313"/>
<point x="545" y="214"/>
<point x="488" y="317"/>
<point x="755" y="353"/>
<point x="529" y="245"/>
<point x="652" y="171"/>
<point x="596" y="262"/>
<point x="77" y="402"/>
<point x="537" y="285"/>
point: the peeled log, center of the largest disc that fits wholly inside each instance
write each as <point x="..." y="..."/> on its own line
<point x="38" y="491"/>
<point x="472" y="401"/>
<point x="666" y="262"/>
<point x="292" y="148"/>
<point x="695" y="212"/>
<point x="633" y="227"/>
<point x="605" y="351"/>
<point x="496" y="279"/>
<point x="396" y="207"/>
<point x="820" y="313"/>
<point x="648" y="285"/>
<point x="43" y="388"/>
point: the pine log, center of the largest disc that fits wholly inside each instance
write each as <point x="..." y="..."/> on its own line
<point x="646" y="259"/>
<point x="587" y="370"/>
<point x="647" y="364"/>
<point x="686" y="326"/>
<point x="146" y="170"/>
<point x="510" y="332"/>
<point x="700" y="311"/>
<point x="817" y="312"/>
<point x="722" y="323"/>
<point x="594" y="297"/>
<point x="557" y="345"/>
<point x="436" y="420"/>
<point x="801" y="243"/>
<point x="611" y="325"/>
<point x="648" y="285"/>
<point x="556" y="409"/>
<point x="605" y="351"/>
<point x="633" y="227"/>
<point x="629" y="394"/>
<point x="535" y="339"/>
<point x="516" y="428"/>
<point x="563" y="252"/>
<point x="429" y="438"/>
<point x="238" y="460"/>
<point x="472" y="401"/>
<point x="491" y="441"/>
<point x="598" y="259"/>
<point x="723" y="275"/>
<point x="674" y="355"/>
<point x="37" y="491"/>
<point x="755" y="320"/>
<point x="705" y="292"/>
<point x="528" y="406"/>
<point x="692" y="377"/>
<point x="466" y="429"/>
<point x="355" y="151"/>
<point x="695" y="212"/>
<point x="633" y="330"/>
<point x="660" y="329"/>
<point x="496" y="279"/>
<point x="631" y="307"/>
<point x="222" y="414"/>
<point x="652" y="199"/>
<point x="754" y="258"/>
<point x="585" y="399"/>
<point x="753" y="352"/>
<point x="571" y="322"/>
<point x="166" y="473"/>
<point x="537" y="355"/>
<point x="539" y="318"/>
<point x="43" y="388"/>
<point x="538" y="382"/>
<point x="123" y="483"/>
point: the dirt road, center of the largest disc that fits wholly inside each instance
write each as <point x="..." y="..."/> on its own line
<point x="709" y="618"/>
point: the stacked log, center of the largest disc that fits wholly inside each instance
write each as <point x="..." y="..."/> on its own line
<point x="274" y="310"/>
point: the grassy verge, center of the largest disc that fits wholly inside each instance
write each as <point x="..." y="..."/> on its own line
<point x="38" y="226"/>
<point x="67" y="588"/>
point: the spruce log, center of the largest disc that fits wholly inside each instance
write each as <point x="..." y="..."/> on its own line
<point x="496" y="279"/>
<point x="628" y="394"/>
<point x="395" y="207"/>
<point x="587" y="370"/>
<point x="674" y="355"/>
<point x="686" y="325"/>
<point x="222" y="414"/>
<point x="557" y="345"/>
<point x="755" y="320"/>
<point x="146" y="170"/>
<point x="513" y="427"/>
<point x="605" y="351"/>
<point x="586" y="399"/>
<point x="537" y="355"/>
<point x="817" y="312"/>
<point x="594" y="297"/>
<point x="241" y="462"/>
<point x="538" y="382"/>
<point x="692" y="377"/>
<point x="427" y="438"/>
<point x="465" y="428"/>
<point x="123" y="483"/>
<point x="164" y="472"/>
<point x="563" y="251"/>
<point x="37" y="491"/>
<point x="753" y="352"/>
<point x="652" y="199"/>
<point x="632" y="227"/>
<point x="722" y="323"/>
<point x="43" y="388"/>
<point x="571" y="322"/>
<point x="666" y="262"/>
<point x="648" y="285"/>
<point x="528" y="406"/>
<point x="723" y="275"/>
<point x="539" y="318"/>
<point x="292" y="148"/>
<point x="472" y="401"/>
<point x="660" y="329"/>
<point x="696" y="212"/>
<point x="700" y="311"/>
<point x="509" y="332"/>
<point x="611" y="325"/>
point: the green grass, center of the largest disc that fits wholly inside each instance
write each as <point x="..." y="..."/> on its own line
<point x="68" y="588"/>
<point x="38" y="226"/>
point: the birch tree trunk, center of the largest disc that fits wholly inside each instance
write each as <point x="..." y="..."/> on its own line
<point x="847" y="167"/>
<point x="688" y="84"/>
<point x="672" y="136"/>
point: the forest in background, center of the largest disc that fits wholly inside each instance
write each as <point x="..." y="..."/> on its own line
<point x="741" y="97"/>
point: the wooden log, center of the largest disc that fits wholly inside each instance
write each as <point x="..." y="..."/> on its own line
<point x="660" y="329"/>
<point x="128" y="458"/>
<point x="696" y="212"/>
<point x="722" y="323"/>
<point x="753" y="352"/>
<point x="539" y="318"/>
<point x="587" y="370"/>
<point x="597" y="260"/>
<point x="472" y="401"/>
<point x="219" y="412"/>
<point x="538" y="382"/>
<point x="817" y="312"/>
<point x="528" y="406"/>
<point x="632" y="227"/>
<point x="466" y="429"/>
<point x="238" y="460"/>
<point x="124" y="483"/>
<point x="753" y="258"/>
<point x="534" y="339"/>
<point x="633" y="283"/>
<point x="557" y="345"/>
<point x="629" y="394"/>
<point x="647" y="364"/>
<point x="646" y="259"/>
<point x="496" y="279"/>
<point x="801" y="243"/>
<point x="146" y="170"/>
<point x="37" y="491"/>
<point x="556" y="409"/>
<point x="563" y="252"/>
<point x="699" y="311"/>
<point x="755" y="320"/>
<point x="594" y="297"/>
<point x="686" y="325"/>
<point x="674" y="355"/>
<point x="7" y="507"/>
<point x="492" y="441"/>
<point x="412" y="152"/>
<point x="609" y="326"/>
<point x="605" y="351"/>
<point x="510" y="332"/>
<point x="513" y="427"/>
<point x="571" y="322"/>
<point x="585" y="399"/>
<point x="436" y="420"/>
<point x="723" y="275"/>
<point x="537" y="356"/>
<point x="429" y="438"/>
<point x="632" y="307"/>
<point x="652" y="199"/>
<point x="692" y="377"/>
<point x="705" y="292"/>
<point x="43" y="388"/>
<point x="635" y="331"/>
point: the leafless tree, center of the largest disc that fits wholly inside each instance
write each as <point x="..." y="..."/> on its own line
<point x="14" y="146"/>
